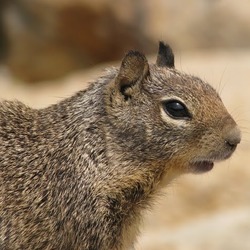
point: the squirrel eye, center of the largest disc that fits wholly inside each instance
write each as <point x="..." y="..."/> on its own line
<point x="176" y="110"/>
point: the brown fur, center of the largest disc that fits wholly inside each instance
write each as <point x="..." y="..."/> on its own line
<point x="78" y="174"/>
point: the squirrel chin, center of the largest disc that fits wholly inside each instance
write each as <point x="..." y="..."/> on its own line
<point x="199" y="167"/>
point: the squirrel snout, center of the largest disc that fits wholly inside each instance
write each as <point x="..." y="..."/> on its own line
<point x="233" y="138"/>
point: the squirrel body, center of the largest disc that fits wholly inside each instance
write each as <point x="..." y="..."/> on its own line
<point x="79" y="174"/>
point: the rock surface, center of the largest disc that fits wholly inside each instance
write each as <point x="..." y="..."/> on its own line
<point x="44" y="39"/>
<point x="47" y="39"/>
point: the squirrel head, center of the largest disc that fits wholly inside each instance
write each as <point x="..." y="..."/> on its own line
<point x="157" y="113"/>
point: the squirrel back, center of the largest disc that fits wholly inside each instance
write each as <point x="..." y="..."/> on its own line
<point x="78" y="174"/>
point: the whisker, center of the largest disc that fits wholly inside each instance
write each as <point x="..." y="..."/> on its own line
<point x="222" y="85"/>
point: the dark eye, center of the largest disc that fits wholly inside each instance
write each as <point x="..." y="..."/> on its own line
<point x="176" y="109"/>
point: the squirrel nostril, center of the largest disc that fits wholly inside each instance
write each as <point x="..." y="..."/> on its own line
<point x="233" y="139"/>
<point x="231" y="144"/>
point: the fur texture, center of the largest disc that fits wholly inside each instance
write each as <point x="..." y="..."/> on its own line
<point x="78" y="174"/>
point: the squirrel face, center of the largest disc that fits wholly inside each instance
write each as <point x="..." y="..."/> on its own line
<point x="161" y="114"/>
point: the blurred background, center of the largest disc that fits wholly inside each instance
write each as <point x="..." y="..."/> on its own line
<point x="49" y="49"/>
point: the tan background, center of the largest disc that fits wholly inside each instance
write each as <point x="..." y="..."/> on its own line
<point x="210" y="211"/>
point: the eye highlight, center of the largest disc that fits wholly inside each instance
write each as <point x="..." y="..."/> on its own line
<point x="176" y="109"/>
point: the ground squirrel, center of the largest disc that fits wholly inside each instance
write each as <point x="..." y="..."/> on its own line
<point x="78" y="174"/>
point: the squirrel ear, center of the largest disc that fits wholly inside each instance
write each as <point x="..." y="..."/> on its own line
<point x="165" y="56"/>
<point x="134" y="68"/>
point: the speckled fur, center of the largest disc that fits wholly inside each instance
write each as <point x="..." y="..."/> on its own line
<point x="78" y="174"/>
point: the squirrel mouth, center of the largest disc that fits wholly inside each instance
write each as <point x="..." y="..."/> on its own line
<point x="202" y="166"/>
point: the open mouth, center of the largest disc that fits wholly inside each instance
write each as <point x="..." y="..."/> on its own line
<point x="202" y="166"/>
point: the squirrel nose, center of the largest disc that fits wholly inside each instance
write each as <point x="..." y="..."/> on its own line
<point x="233" y="138"/>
